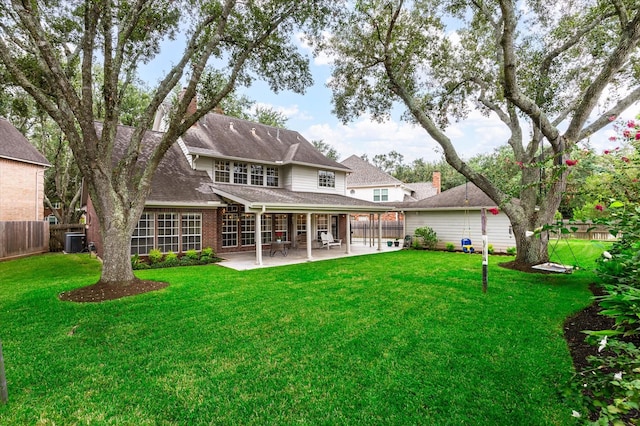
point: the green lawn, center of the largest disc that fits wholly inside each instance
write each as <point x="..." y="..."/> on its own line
<point x="397" y="338"/>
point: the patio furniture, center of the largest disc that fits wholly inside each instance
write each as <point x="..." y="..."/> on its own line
<point x="328" y="241"/>
<point x="279" y="246"/>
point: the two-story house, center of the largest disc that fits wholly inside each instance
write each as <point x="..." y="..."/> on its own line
<point x="235" y="185"/>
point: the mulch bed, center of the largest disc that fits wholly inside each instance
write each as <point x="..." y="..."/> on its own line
<point x="99" y="292"/>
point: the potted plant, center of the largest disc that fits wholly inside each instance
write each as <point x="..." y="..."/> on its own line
<point x="389" y="243"/>
<point x="397" y="242"/>
<point x="278" y="237"/>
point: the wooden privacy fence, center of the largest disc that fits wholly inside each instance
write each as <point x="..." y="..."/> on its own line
<point x="57" y="239"/>
<point x="21" y="238"/>
<point x="369" y="228"/>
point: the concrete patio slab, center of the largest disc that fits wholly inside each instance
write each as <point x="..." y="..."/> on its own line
<point x="247" y="260"/>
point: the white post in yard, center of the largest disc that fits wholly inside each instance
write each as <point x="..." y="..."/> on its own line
<point x="4" y="395"/>
<point x="485" y="250"/>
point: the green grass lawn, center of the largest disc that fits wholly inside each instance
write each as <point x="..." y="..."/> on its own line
<point x="397" y="338"/>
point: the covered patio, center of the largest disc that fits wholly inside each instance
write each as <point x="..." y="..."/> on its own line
<point x="242" y="261"/>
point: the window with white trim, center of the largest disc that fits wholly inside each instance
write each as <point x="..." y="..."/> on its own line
<point x="326" y="179"/>
<point x="381" y="195"/>
<point x="273" y="178"/>
<point x="191" y="231"/>
<point x="282" y="230"/>
<point x="248" y="229"/>
<point x="266" y="229"/>
<point x="322" y="224"/>
<point x="168" y="232"/>
<point x="301" y="224"/>
<point x="229" y="230"/>
<point x="143" y="236"/>
<point x="257" y="175"/>
<point x="240" y="173"/>
<point x="222" y="171"/>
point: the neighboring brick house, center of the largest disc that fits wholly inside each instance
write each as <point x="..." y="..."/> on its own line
<point x="22" y="229"/>
<point x="235" y="185"/>
<point x="21" y="176"/>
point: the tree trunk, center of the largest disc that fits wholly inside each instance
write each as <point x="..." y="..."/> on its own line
<point x="532" y="250"/>
<point x="116" y="267"/>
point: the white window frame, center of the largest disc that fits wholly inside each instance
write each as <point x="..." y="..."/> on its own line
<point x="326" y="179"/>
<point x="168" y="232"/>
<point x="143" y="238"/>
<point x="191" y="231"/>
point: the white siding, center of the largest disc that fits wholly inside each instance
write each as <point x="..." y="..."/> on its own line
<point x="452" y="225"/>
<point x="305" y="179"/>
<point x="396" y="193"/>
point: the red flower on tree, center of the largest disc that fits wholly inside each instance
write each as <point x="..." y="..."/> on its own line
<point x="494" y="211"/>
<point x="599" y="207"/>
<point x="571" y="162"/>
<point x="625" y="159"/>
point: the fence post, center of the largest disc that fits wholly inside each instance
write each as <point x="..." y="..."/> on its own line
<point x="4" y="395"/>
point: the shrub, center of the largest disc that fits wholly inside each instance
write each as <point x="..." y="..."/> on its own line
<point x="428" y="236"/>
<point x="192" y="254"/>
<point x="490" y="249"/>
<point x="611" y="386"/>
<point x="171" y="259"/>
<point x="155" y="256"/>
<point x="208" y="252"/>
<point x="511" y="251"/>
<point x="450" y="247"/>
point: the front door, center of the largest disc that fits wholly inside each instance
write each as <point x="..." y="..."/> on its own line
<point x="334" y="227"/>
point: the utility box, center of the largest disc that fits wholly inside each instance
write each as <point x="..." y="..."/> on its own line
<point x="73" y="242"/>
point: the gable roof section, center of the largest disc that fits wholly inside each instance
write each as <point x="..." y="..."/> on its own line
<point x="174" y="183"/>
<point x="14" y="146"/>
<point x="422" y="190"/>
<point x="274" y="199"/>
<point x="221" y="136"/>
<point x="454" y="198"/>
<point x="365" y="174"/>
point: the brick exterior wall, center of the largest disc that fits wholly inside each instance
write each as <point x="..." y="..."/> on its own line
<point x="21" y="191"/>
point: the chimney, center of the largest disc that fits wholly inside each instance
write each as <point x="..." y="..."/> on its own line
<point x="436" y="181"/>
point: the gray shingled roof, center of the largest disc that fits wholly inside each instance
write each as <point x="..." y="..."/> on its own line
<point x="274" y="198"/>
<point x="14" y="146"/>
<point x="366" y="174"/>
<point x="422" y="190"/>
<point x="221" y="136"/>
<point x="454" y="198"/>
<point x="175" y="183"/>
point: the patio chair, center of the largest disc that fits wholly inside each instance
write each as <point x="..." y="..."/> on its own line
<point x="328" y="241"/>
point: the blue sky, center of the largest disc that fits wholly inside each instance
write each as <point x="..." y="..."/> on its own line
<point x="310" y="115"/>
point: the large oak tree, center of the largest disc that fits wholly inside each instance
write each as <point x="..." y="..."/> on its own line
<point x="51" y="48"/>
<point x="553" y="72"/>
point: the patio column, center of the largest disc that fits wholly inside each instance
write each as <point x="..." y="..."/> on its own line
<point x="258" y="238"/>
<point x="348" y="216"/>
<point x="309" y="256"/>
<point x="379" y="231"/>
<point x="404" y="227"/>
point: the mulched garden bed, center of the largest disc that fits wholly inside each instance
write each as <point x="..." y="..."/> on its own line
<point x="99" y="292"/>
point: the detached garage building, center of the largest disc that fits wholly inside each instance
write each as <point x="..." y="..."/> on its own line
<point x="455" y="214"/>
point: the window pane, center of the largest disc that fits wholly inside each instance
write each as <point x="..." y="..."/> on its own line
<point x="229" y="230"/>
<point x="266" y="229"/>
<point x="326" y="179"/>
<point x="281" y="230"/>
<point x="240" y="173"/>
<point x="142" y="239"/>
<point x="272" y="176"/>
<point x="168" y="232"/>
<point x="257" y="175"/>
<point x="248" y="229"/>
<point x="191" y="231"/>
<point x="222" y="171"/>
